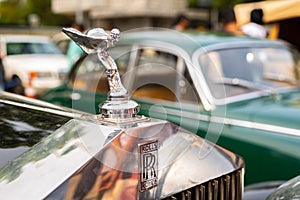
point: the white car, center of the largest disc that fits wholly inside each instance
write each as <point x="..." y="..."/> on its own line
<point x="32" y="63"/>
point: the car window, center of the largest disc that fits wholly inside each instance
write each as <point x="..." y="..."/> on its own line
<point x="279" y="64"/>
<point x="90" y="74"/>
<point x="16" y="48"/>
<point x="187" y="89"/>
<point x="157" y="77"/>
<point x="231" y="72"/>
<point x="121" y="56"/>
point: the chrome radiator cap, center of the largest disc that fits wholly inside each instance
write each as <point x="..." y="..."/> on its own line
<point x="118" y="106"/>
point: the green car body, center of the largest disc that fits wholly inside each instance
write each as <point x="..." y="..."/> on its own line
<point x="255" y="114"/>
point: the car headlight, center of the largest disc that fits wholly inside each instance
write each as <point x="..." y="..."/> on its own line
<point x="33" y="75"/>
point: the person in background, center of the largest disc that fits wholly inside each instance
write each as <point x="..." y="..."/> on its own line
<point x="74" y="51"/>
<point x="2" y="74"/>
<point x="180" y="23"/>
<point x="255" y="28"/>
<point x="228" y="21"/>
<point x="14" y="85"/>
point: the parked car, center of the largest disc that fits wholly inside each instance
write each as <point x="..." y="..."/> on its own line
<point x="239" y="92"/>
<point x="32" y="63"/>
<point x="51" y="152"/>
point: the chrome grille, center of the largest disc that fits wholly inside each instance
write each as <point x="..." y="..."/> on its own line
<point x="226" y="187"/>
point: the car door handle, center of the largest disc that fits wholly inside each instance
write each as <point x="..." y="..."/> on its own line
<point x="75" y="96"/>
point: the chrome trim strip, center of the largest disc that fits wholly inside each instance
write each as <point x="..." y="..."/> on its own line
<point x="260" y="126"/>
<point x="234" y="122"/>
<point x="49" y="110"/>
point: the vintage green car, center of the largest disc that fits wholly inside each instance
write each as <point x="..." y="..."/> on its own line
<point x="238" y="92"/>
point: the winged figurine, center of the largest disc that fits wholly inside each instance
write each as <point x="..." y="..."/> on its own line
<point x="98" y="41"/>
<point x="95" y="40"/>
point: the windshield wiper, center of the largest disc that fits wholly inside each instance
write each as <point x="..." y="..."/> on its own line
<point x="249" y="85"/>
<point x="238" y="82"/>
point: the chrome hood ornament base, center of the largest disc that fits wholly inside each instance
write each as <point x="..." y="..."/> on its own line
<point x="118" y="107"/>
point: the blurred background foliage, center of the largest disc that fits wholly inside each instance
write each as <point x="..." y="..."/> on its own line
<point x="17" y="12"/>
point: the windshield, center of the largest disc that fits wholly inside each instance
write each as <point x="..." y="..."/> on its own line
<point x="231" y="72"/>
<point x="16" y="48"/>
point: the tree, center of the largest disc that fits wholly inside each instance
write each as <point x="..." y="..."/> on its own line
<point x="43" y="10"/>
<point x="16" y="12"/>
<point x="12" y="12"/>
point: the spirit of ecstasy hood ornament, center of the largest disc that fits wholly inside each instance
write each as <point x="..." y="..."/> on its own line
<point x="117" y="106"/>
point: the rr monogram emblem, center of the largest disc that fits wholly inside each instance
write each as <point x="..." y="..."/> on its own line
<point x="148" y="164"/>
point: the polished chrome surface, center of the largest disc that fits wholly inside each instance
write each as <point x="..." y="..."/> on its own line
<point x="118" y="105"/>
<point x="119" y="109"/>
<point x="44" y="167"/>
<point x="84" y="160"/>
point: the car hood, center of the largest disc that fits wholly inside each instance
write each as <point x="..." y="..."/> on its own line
<point x="25" y="121"/>
<point x="40" y="62"/>
<point x="280" y="110"/>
